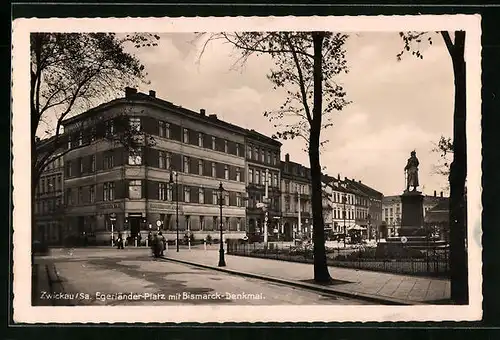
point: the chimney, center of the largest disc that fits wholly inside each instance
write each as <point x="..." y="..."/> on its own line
<point x="441" y="194"/>
<point x="287" y="158"/>
<point x="130" y="91"/>
<point x="338" y="177"/>
<point x="152" y="93"/>
<point x="434" y="193"/>
<point x="213" y="116"/>
<point x="345" y="179"/>
<point x="359" y="181"/>
<point x="203" y="112"/>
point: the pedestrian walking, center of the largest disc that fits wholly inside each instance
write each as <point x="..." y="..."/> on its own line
<point x="163" y="242"/>
<point x="119" y="241"/>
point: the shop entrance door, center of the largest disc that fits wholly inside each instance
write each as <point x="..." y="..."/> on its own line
<point x="135" y="225"/>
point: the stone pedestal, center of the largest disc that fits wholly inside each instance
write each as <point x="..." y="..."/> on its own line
<point x="412" y="217"/>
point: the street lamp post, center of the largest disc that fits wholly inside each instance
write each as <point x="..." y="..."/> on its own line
<point x="344" y="198"/>
<point x="172" y="173"/>
<point x="222" y="262"/>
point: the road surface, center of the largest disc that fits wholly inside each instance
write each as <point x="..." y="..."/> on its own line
<point x="131" y="276"/>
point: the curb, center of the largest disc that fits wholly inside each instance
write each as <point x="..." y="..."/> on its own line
<point x="56" y="286"/>
<point x="309" y="286"/>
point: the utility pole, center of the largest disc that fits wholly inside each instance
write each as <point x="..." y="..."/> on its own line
<point x="266" y="207"/>
<point x="300" y="217"/>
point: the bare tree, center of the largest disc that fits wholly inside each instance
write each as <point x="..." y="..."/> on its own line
<point x="306" y="65"/>
<point x="458" y="168"/>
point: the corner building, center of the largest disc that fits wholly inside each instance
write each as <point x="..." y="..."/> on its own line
<point x="104" y="178"/>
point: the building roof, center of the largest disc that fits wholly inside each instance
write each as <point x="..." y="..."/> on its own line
<point x="439" y="213"/>
<point x="210" y="119"/>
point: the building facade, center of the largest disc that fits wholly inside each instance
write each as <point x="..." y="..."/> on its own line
<point x="392" y="210"/>
<point x="49" y="198"/>
<point x="104" y="179"/>
<point x="342" y="213"/>
<point x="263" y="178"/>
<point x="369" y="203"/>
<point x="295" y="199"/>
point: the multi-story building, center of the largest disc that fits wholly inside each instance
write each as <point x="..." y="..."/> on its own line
<point x="342" y="200"/>
<point x="392" y="210"/>
<point x="369" y="204"/>
<point x="391" y="214"/>
<point x="295" y="199"/>
<point x="49" y="197"/>
<point x="106" y="179"/>
<point x="263" y="177"/>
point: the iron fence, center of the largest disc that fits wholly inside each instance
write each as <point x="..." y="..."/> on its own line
<point x="433" y="261"/>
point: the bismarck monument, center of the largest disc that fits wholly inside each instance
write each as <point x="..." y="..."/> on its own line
<point x="412" y="217"/>
<point x="412" y="233"/>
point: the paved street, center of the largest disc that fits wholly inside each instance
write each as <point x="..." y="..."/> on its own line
<point x="132" y="277"/>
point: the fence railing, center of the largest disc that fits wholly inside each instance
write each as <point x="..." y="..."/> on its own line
<point x="426" y="262"/>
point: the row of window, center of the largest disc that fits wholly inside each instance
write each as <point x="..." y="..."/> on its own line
<point x="293" y="187"/>
<point x="165" y="193"/>
<point x="164" y="132"/>
<point x="164" y="162"/>
<point x="55" y="164"/>
<point x="49" y="184"/>
<point x="47" y="206"/>
<point x="292" y="206"/>
<point x="261" y="155"/>
<point x="259" y="177"/>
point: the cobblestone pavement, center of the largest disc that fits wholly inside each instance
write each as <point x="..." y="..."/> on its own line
<point x="133" y="277"/>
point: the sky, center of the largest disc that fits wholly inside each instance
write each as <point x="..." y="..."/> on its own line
<point x="397" y="106"/>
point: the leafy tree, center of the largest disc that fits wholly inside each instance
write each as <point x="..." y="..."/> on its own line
<point x="306" y="65"/>
<point x="445" y="148"/>
<point x="458" y="167"/>
<point x="70" y="72"/>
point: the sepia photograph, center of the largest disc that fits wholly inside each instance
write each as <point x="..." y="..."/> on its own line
<point x="247" y="169"/>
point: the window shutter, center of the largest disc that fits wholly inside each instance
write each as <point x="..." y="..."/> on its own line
<point x="193" y="137"/>
<point x="153" y="190"/>
<point x="194" y="194"/>
<point x="119" y="156"/>
<point x="207" y="168"/>
<point x="232" y="172"/>
<point x="208" y="195"/>
<point x="207" y="141"/>
<point x="193" y="165"/>
<point x="219" y="170"/>
<point x="232" y="198"/>
<point x="231" y="147"/>
<point x="176" y="132"/>
<point x="99" y="159"/>
<point x="176" y="162"/>
<point x="99" y="192"/>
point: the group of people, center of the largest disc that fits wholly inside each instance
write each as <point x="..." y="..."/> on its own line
<point x="157" y="242"/>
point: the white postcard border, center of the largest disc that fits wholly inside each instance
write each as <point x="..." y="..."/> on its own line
<point x="24" y="312"/>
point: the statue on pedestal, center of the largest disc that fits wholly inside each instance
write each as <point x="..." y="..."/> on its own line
<point x="411" y="170"/>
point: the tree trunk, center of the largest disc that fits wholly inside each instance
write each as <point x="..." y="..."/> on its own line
<point x="321" y="273"/>
<point x="458" y="173"/>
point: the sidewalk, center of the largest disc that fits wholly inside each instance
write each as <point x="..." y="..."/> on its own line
<point x="385" y="288"/>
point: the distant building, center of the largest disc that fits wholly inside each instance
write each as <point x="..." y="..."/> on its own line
<point x="368" y="206"/>
<point x="295" y="186"/>
<point x="392" y="210"/>
<point x="342" y="203"/>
